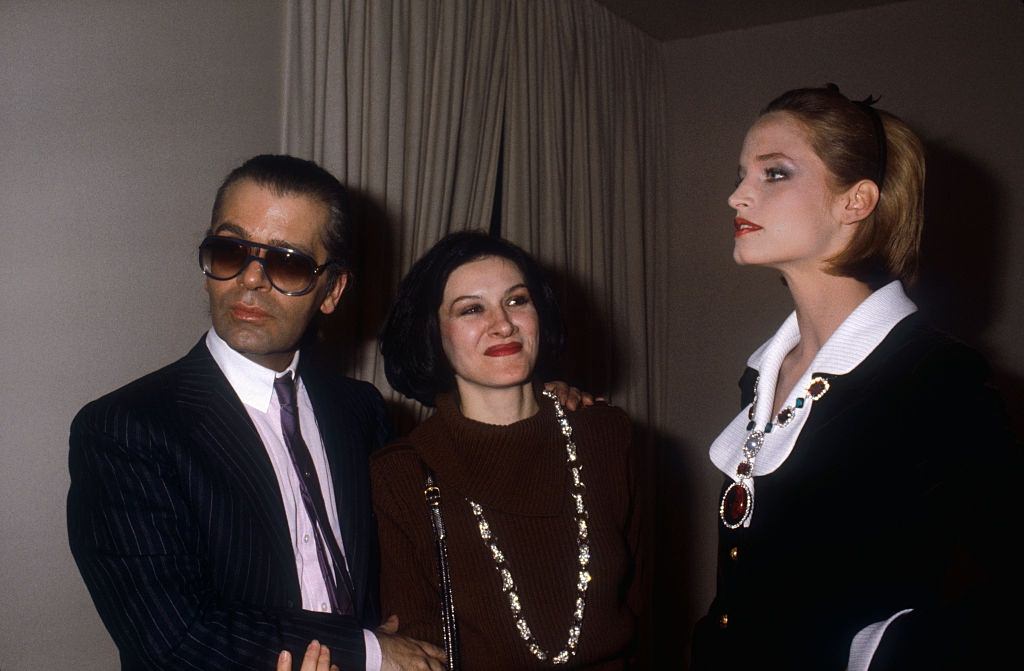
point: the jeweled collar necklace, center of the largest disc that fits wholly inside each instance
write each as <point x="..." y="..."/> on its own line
<point x="738" y="498"/>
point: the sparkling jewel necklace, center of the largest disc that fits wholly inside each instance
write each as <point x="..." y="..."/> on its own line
<point x="508" y="585"/>
<point x="738" y="500"/>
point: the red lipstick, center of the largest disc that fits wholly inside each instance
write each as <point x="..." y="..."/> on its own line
<point x="741" y="227"/>
<point x="504" y="350"/>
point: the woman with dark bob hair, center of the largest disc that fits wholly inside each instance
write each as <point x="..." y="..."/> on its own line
<point x="538" y="506"/>
<point x="859" y="507"/>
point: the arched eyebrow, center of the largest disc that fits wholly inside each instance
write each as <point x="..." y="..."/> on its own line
<point x="773" y="156"/>
<point x="476" y="297"/>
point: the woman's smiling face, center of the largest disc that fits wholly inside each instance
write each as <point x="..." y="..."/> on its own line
<point x="489" y="325"/>
<point x="785" y="200"/>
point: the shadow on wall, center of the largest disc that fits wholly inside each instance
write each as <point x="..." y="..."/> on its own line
<point x="674" y="596"/>
<point x="340" y="336"/>
<point x="963" y="259"/>
<point x="591" y="359"/>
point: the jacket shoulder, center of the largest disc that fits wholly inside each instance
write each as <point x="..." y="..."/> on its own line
<point x="915" y="350"/>
<point x="150" y="396"/>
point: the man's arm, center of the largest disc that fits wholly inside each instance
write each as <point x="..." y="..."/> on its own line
<point x="135" y="532"/>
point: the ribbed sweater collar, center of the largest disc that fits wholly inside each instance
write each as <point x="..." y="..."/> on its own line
<point x="518" y="468"/>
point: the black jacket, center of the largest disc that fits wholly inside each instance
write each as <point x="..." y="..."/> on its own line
<point x="176" y="521"/>
<point x="890" y="500"/>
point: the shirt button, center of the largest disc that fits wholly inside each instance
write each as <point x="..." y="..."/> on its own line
<point x="324" y="607"/>
<point x="734" y="554"/>
<point x="305" y="539"/>
<point x="723" y="620"/>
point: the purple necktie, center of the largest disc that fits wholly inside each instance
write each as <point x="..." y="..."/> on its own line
<point x="339" y="586"/>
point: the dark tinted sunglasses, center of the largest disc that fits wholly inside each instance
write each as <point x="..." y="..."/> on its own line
<point x="290" y="271"/>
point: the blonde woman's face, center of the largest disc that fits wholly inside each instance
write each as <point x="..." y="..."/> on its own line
<point x="784" y="200"/>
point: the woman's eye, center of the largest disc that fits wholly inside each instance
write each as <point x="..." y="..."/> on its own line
<point x="519" y="299"/>
<point x="775" y="174"/>
<point x="470" y="310"/>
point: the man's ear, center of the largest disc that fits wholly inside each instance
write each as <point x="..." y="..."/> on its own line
<point x="333" y="296"/>
<point x="858" y="202"/>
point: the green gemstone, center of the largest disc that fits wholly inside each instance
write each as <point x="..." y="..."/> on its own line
<point x="768" y="427"/>
<point x="750" y="426"/>
<point x="800" y="402"/>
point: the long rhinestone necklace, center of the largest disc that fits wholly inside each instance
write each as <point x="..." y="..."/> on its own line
<point x="738" y="500"/>
<point x="508" y="585"/>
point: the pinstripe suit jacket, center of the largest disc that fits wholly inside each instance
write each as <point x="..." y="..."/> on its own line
<point x="177" y="524"/>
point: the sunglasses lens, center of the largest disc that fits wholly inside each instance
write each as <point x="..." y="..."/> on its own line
<point x="289" y="271"/>
<point x="223" y="258"/>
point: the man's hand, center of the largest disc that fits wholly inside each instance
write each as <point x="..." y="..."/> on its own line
<point x="571" y="397"/>
<point x="317" y="658"/>
<point x="401" y="653"/>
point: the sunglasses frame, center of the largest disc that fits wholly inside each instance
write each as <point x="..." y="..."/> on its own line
<point x="262" y="260"/>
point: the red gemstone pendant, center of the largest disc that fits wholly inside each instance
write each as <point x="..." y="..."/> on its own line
<point x="735" y="507"/>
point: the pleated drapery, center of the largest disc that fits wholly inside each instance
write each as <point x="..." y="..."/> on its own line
<point x="420" y="106"/>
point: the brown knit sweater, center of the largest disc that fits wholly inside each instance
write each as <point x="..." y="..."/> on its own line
<point x="517" y="473"/>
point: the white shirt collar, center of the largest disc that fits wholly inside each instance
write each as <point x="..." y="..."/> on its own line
<point x="856" y="337"/>
<point x="253" y="383"/>
<point x="852" y="342"/>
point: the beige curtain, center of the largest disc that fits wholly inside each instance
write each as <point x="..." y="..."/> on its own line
<point x="583" y="185"/>
<point x="402" y="100"/>
<point x="407" y="101"/>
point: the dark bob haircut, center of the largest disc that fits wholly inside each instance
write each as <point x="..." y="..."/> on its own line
<point x="410" y="342"/>
<point x="289" y="175"/>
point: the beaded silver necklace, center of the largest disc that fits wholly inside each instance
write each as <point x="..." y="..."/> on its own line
<point x="508" y="585"/>
<point x="738" y="499"/>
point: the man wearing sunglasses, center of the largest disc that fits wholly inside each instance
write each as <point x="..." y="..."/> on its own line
<point x="219" y="508"/>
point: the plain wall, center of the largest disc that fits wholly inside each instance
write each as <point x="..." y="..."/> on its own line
<point x="117" y="122"/>
<point x="954" y="70"/>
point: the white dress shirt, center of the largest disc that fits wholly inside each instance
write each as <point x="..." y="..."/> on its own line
<point x="858" y="336"/>
<point x="254" y="385"/>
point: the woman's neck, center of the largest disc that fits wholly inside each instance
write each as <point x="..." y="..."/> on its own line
<point x="823" y="302"/>
<point x="502" y="406"/>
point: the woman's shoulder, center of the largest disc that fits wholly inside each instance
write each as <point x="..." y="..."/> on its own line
<point x="602" y="415"/>
<point x="397" y="479"/>
<point x="405" y="448"/>
<point x="397" y="452"/>
<point x="607" y="427"/>
<point x="919" y="351"/>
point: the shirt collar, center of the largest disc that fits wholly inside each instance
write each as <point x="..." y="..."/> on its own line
<point x="851" y="343"/>
<point x="253" y="383"/>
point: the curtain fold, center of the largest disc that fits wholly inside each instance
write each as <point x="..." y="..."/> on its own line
<point x="583" y="187"/>
<point x="408" y="102"/>
<point x="402" y="101"/>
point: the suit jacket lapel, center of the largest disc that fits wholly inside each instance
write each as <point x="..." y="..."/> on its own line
<point x="218" y="422"/>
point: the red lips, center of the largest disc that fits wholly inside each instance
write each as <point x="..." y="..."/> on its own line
<point x="742" y="227"/>
<point x="504" y="350"/>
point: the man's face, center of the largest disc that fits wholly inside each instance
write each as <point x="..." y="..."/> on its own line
<point x="256" y="320"/>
